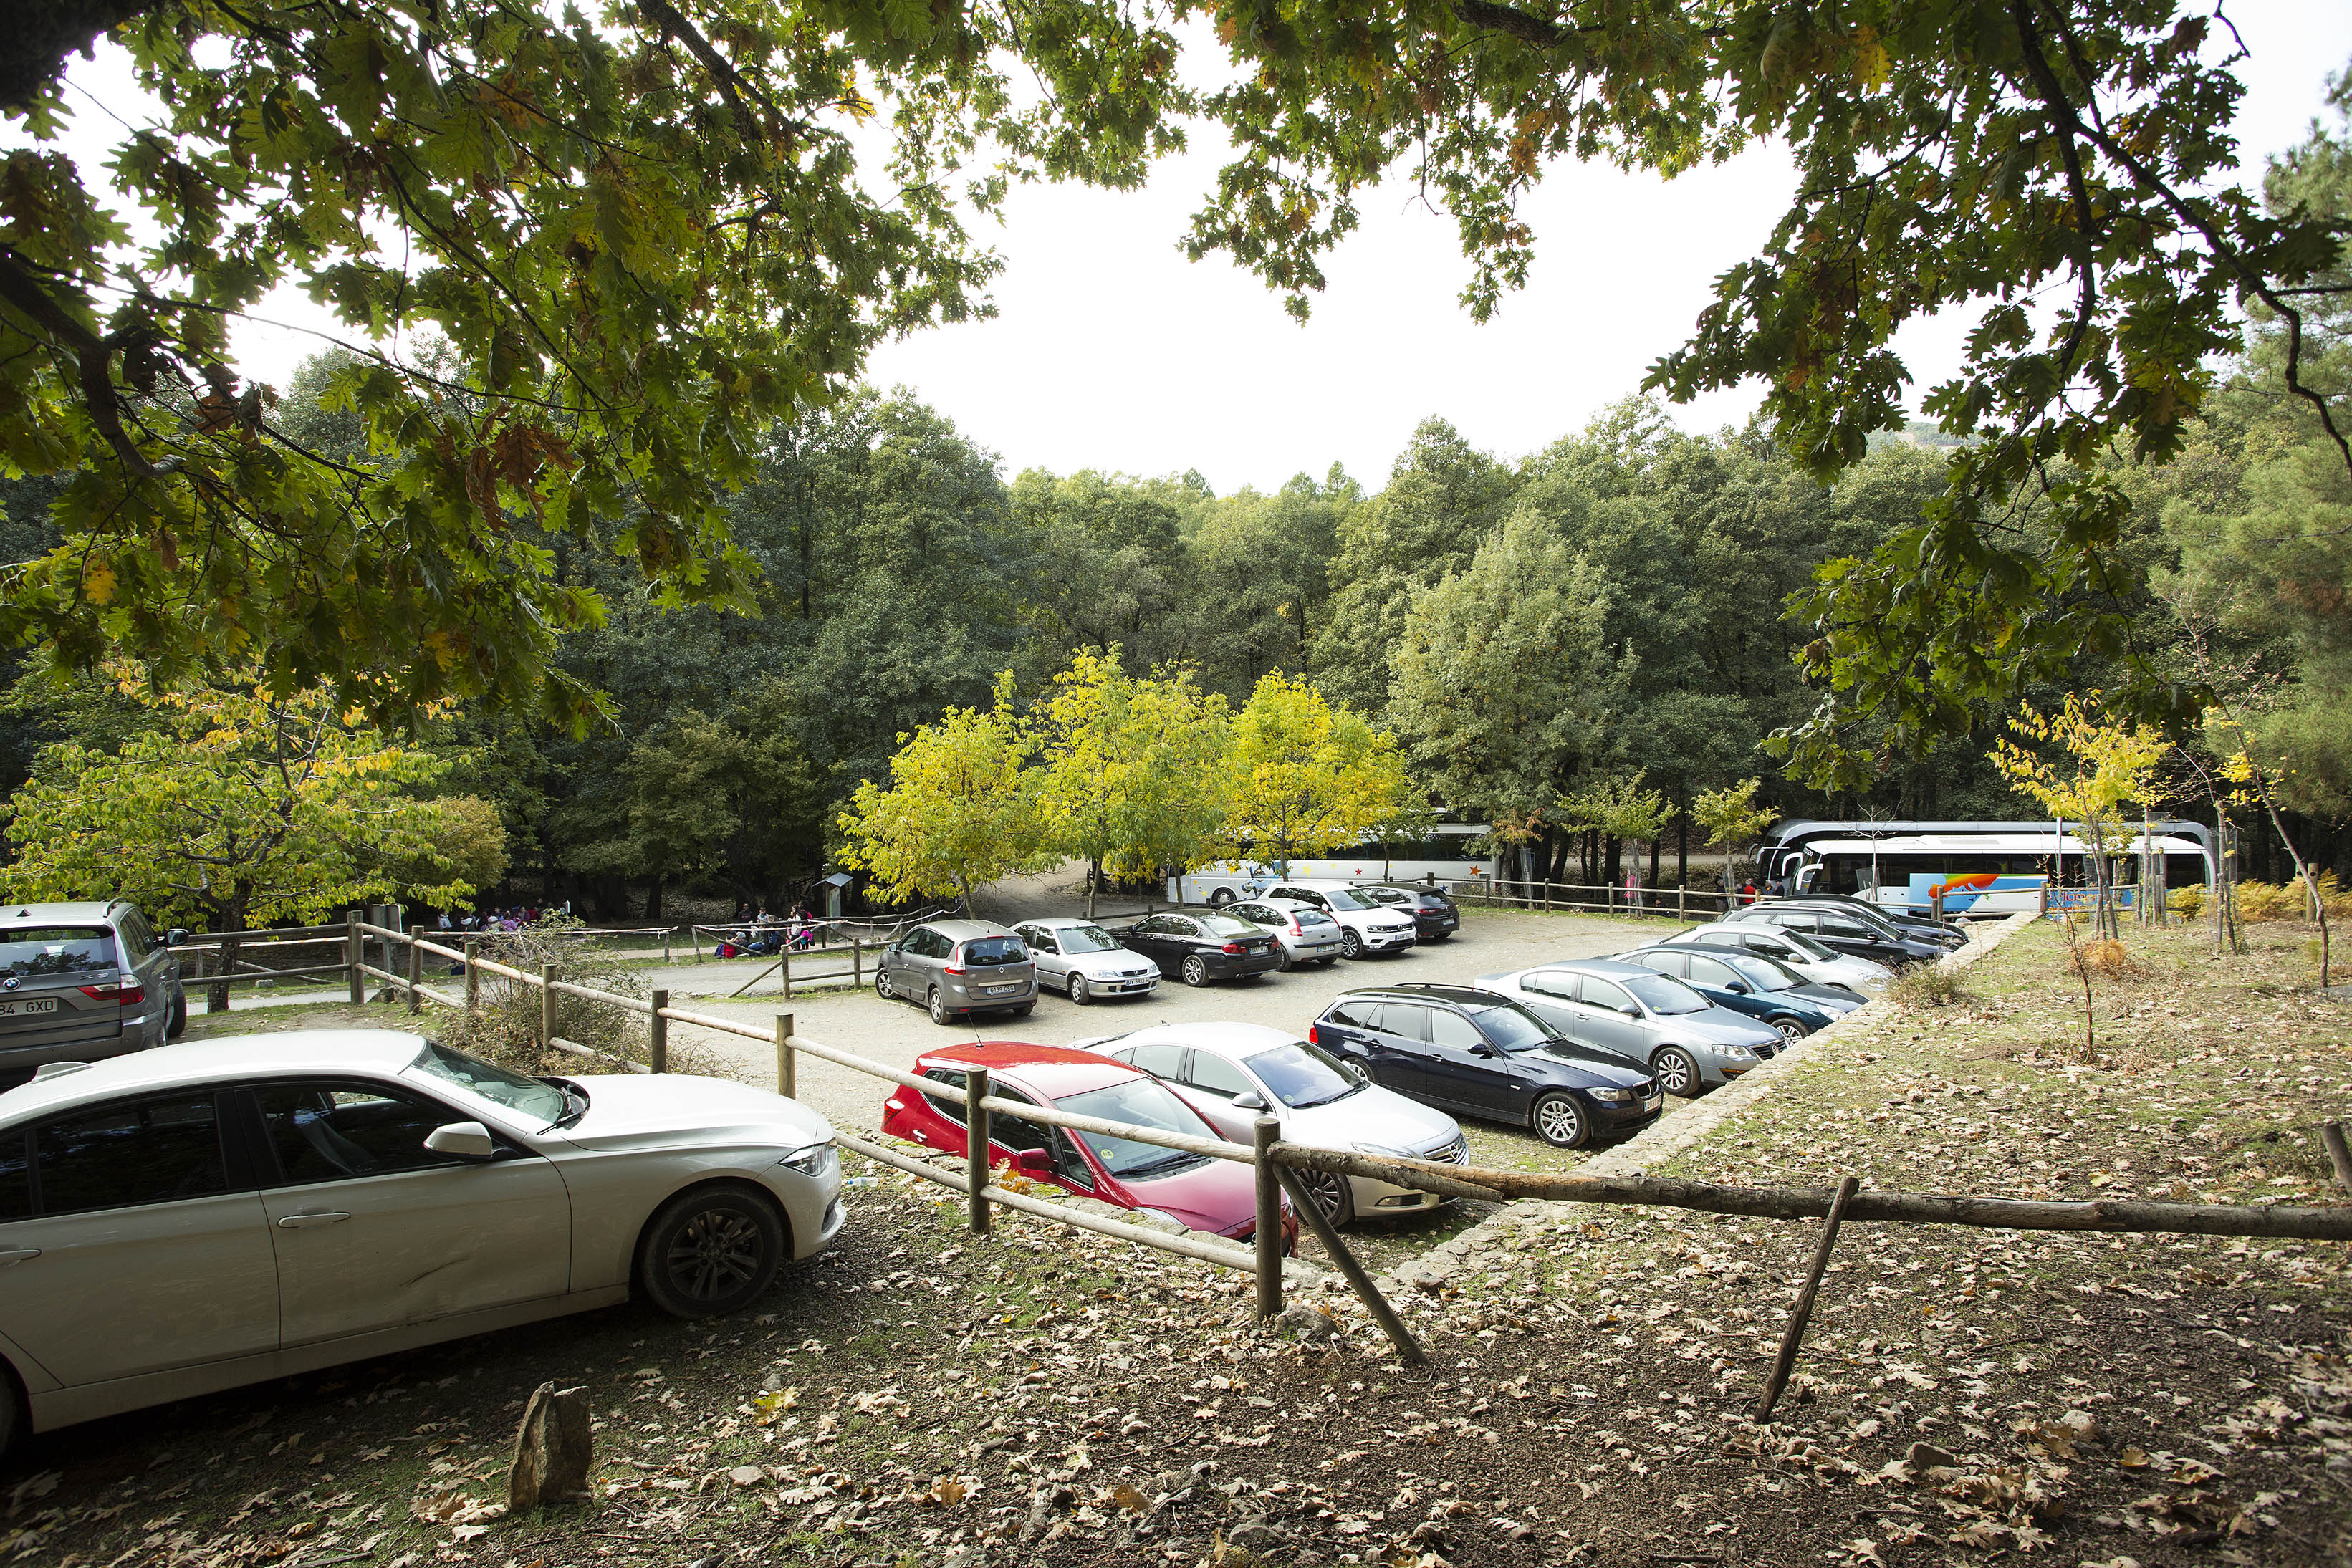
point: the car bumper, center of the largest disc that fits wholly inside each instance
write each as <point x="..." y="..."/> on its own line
<point x="1625" y="1116"/>
<point x="1320" y="948"/>
<point x="1225" y="967"/>
<point x="1443" y="925"/>
<point x="980" y="998"/>
<point x="1122" y="986"/>
<point x="1386" y="941"/>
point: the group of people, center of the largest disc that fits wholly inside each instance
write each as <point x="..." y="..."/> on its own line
<point x="493" y="920"/>
<point x="762" y="935"/>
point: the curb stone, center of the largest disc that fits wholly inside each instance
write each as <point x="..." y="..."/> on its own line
<point x="1499" y="1235"/>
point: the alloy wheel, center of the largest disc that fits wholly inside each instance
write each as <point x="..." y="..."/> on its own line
<point x="1078" y="991"/>
<point x="1196" y="971"/>
<point x="1678" y="1075"/>
<point x="1329" y="1192"/>
<point x="1792" y="1031"/>
<point x="1559" y="1122"/>
<point x="715" y="1254"/>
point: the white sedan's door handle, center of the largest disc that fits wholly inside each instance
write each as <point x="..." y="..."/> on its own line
<point x="310" y="1216"/>
<point x="18" y="1254"/>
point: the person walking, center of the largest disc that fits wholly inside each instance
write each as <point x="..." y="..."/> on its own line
<point x="1634" y="889"/>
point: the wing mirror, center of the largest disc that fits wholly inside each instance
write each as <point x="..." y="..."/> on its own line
<point x="1631" y="1012"/>
<point x="1738" y="988"/>
<point x="176" y="936"/>
<point x="465" y="1139"/>
<point x="1251" y="1101"/>
<point x="1034" y="1161"/>
<point x="1482" y="1051"/>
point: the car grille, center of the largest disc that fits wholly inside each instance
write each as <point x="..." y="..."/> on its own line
<point x="1456" y="1153"/>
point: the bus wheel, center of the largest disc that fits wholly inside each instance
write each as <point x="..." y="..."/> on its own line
<point x="1220" y="897"/>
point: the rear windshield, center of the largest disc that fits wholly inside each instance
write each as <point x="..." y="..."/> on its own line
<point x="56" y="950"/>
<point x="1385" y="895"/>
<point x="1226" y="925"/>
<point x="995" y="950"/>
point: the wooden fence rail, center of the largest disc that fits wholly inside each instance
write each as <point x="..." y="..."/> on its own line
<point x="1278" y="1161"/>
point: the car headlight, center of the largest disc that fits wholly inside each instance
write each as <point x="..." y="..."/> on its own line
<point x="1738" y="1054"/>
<point x="817" y="1160"/>
<point x="1160" y="1214"/>
<point x="1611" y="1096"/>
<point x="1385" y="1152"/>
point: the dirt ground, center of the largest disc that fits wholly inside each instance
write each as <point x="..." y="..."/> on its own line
<point x="920" y="1396"/>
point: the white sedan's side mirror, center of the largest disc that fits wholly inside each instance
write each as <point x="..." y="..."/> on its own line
<point x="467" y="1140"/>
<point x="1249" y="1100"/>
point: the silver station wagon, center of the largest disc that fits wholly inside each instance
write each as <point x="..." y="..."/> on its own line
<point x="82" y="981"/>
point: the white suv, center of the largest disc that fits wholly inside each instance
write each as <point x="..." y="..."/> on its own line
<point x="1364" y="927"/>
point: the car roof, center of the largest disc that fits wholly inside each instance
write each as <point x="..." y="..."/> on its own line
<point x="1423" y="992"/>
<point x="1053" y="1071"/>
<point x="964" y="930"/>
<point x="384" y="1051"/>
<point x="1322" y="883"/>
<point x="1239" y="1038"/>
<point x="78" y="909"/>
<point x="1593" y="967"/>
<point x="1060" y="922"/>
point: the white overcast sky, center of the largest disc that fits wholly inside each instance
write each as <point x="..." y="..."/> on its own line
<point x="1111" y="351"/>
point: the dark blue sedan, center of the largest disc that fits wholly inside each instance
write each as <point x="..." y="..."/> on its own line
<point x="1718" y="979"/>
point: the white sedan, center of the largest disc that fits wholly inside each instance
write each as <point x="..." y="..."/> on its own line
<point x="1815" y="961"/>
<point x="1233" y="1073"/>
<point x="191" y="1218"/>
<point x="1083" y="961"/>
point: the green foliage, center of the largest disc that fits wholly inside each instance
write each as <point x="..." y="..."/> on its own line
<point x="638" y="243"/>
<point x="1308" y="776"/>
<point x="961" y="810"/>
<point x="238" y="808"/>
<point x="1620" y="808"/>
<point x="1731" y="816"/>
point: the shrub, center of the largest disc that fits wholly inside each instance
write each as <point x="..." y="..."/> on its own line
<point x="505" y="1029"/>
<point x="2188" y="903"/>
<point x="2104" y="959"/>
<point x="1925" y="985"/>
<point x="2288" y="901"/>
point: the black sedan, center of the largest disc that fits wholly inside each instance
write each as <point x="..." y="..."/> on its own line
<point x="1198" y="948"/>
<point x="1435" y="919"/>
<point x="1919" y="927"/>
<point x="1847" y="931"/>
<point x="1476" y="1054"/>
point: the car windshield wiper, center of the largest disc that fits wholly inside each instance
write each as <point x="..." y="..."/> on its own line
<point x="575" y="1104"/>
<point x="1168" y="1163"/>
<point x="1327" y="1099"/>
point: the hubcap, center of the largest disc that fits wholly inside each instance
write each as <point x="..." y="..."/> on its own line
<point x="1077" y="987"/>
<point x="1324" y="1188"/>
<point x="1791" y="1032"/>
<point x="938" y="1008"/>
<point x="1674" y="1073"/>
<point x="1560" y="1123"/>
<point x="716" y="1254"/>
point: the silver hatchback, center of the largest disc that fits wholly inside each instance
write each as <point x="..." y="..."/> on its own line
<point x="958" y="968"/>
<point x="81" y="981"/>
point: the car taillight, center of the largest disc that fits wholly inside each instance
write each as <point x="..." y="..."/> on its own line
<point x="1296" y="927"/>
<point x="1313" y="1037"/>
<point x="1233" y="949"/>
<point x="127" y="996"/>
<point x="955" y="969"/>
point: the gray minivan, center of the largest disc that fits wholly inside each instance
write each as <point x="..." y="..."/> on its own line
<point x="81" y="981"/>
<point x="957" y="967"/>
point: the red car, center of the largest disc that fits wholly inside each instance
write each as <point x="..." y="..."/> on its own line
<point x="1197" y="1192"/>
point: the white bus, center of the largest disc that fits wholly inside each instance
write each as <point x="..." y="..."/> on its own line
<point x="1447" y="854"/>
<point x="1980" y="869"/>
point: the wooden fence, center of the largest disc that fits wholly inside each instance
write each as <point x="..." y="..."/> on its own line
<point x="1279" y="1165"/>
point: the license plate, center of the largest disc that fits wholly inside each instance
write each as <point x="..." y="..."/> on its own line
<point x="1653" y="1102"/>
<point x="998" y="990"/>
<point x="23" y="1008"/>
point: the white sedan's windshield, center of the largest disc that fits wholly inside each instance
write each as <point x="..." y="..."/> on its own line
<point x="1086" y="939"/>
<point x="1806" y="944"/>
<point x="1301" y="1075"/>
<point x="525" y="1097"/>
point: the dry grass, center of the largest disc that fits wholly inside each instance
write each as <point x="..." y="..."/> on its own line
<point x="1925" y="987"/>
<point x="505" y="1028"/>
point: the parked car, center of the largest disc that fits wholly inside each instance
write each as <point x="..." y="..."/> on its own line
<point x="1478" y="1053"/>
<point x="1690" y="1043"/>
<point x="1304" y="933"/>
<point x="1435" y="919"/>
<point x="1233" y="1073"/>
<point x="1919" y="927"/>
<point x="1714" y="975"/>
<point x="1366" y="924"/>
<point x="1083" y="961"/>
<point x="84" y="980"/>
<point x="1823" y="965"/>
<point x="1848" y="931"/>
<point x="1195" y="1191"/>
<point x="1198" y="948"/>
<point x="176" y="1222"/>
<point x="957" y="968"/>
<point x="1763" y="974"/>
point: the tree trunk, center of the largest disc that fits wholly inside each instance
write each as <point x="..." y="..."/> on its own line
<point x="654" y="898"/>
<point x="1093" y="876"/>
<point x="1682" y="848"/>
<point x="1654" y="863"/>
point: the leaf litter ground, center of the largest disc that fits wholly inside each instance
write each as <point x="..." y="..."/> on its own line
<point x="920" y="1396"/>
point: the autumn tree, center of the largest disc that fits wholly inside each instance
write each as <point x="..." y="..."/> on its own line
<point x="238" y="807"/>
<point x="2103" y="762"/>
<point x="960" y="810"/>
<point x="1731" y="818"/>
<point x="1307" y="776"/>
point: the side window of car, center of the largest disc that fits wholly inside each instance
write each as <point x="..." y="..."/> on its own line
<point x="1545" y="983"/>
<point x="1594" y="991"/>
<point x="1161" y="1061"/>
<point x="1178" y="925"/>
<point x="1218" y="1076"/>
<point x="1676" y="964"/>
<point x="1357" y="1015"/>
<point x="1150" y="926"/>
<point x="147" y="1151"/>
<point x="335" y="1132"/>
<point x="15" y="1179"/>
<point x="1831" y="926"/>
<point x="1406" y="1021"/>
<point x="1258" y="913"/>
<point x="1016" y="1133"/>
<point x="1039" y="938"/>
<point x="138" y="941"/>
<point x="951" y="1109"/>
<point x="1450" y="1028"/>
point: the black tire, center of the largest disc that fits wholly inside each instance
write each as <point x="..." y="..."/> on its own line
<point x="1024" y="1009"/>
<point x="1286" y="962"/>
<point x="1080" y="994"/>
<point x="1791" y="1030"/>
<point x="940" y="1013"/>
<point x="882" y="985"/>
<point x="1677" y="1074"/>
<point x="176" y="1024"/>
<point x="1333" y="1193"/>
<point x="710" y="1251"/>
<point x="1351" y="944"/>
<point x="1560" y="1121"/>
<point x="1196" y="970"/>
<point x="14" y="1423"/>
<point x="1220" y="897"/>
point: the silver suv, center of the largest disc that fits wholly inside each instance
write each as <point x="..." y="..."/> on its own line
<point x="81" y="981"/>
<point x="957" y="967"/>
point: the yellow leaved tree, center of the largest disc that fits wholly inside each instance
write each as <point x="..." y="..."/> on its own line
<point x="2104" y="764"/>
<point x="1307" y="777"/>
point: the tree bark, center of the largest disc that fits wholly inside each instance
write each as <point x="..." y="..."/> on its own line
<point x="1682" y="848"/>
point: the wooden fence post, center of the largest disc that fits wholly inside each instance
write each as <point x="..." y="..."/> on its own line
<point x="1681" y="903"/>
<point x="1408" y="1348"/>
<point x="975" y="1146"/>
<point x="1803" y="1312"/>
<point x="1267" y="1132"/>
<point x="784" y="962"/>
<point x="415" y="971"/>
<point x="546" y="1002"/>
<point x="857" y="964"/>
<point x="473" y="976"/>
<point x="668" y="932"/>
<point x="787" y="1060"/>
<point x="352" y="956"/>
<point x="2331" y="1137"/>
<point x="657" y="1034"/>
